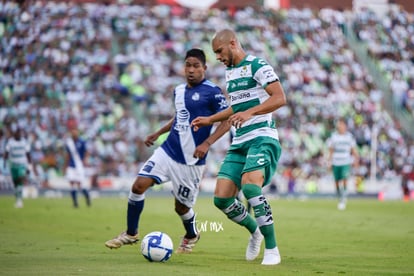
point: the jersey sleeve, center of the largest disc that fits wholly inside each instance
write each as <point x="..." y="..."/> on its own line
<point x="263" y="73"/>
<point x="219" y="100"/>
<point x="353" y="141"/>
<point x="329" y="142"/>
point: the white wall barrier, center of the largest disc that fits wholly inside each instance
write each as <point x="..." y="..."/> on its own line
<point x="388" y="189"/>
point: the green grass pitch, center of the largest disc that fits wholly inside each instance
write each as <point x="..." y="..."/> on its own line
<point x="49" y="237"/>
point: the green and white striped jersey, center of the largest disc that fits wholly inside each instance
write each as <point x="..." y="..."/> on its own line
<point x="342" y="145"/>
<point x="18" y="150"/>
<point x="245" y="85"/>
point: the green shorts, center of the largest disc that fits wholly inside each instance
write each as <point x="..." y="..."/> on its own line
<point x="261" y="153"/>
<point x="18" y="171"/>
<point x="341" y="172"/>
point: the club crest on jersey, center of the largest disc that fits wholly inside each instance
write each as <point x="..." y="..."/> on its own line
<point x="244" y="71"/>
<point x="196" y="96"/>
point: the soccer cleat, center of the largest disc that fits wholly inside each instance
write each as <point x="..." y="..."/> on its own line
<point x="121" y="240"/>
<point x="253" y="248"/>
<point x="18" y="204"/>
<point x="341" y="205"/>
<point x="271" y="257"/>
<point x="186" y="245"/>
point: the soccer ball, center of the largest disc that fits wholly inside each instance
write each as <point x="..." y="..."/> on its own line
<point x="157" y="247"/>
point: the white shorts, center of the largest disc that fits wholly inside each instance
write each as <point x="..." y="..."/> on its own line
<point x="185" y="179"/>
<point x="76" y="175"/>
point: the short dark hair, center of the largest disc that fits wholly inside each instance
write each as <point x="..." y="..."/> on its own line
<point x="197" y="53"/>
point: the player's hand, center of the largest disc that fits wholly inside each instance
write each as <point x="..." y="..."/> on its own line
<point x="200" y="122"/>
<point x="150" y="140"/>
<point x="239" y="118"/>
<point x="201" y="150"/>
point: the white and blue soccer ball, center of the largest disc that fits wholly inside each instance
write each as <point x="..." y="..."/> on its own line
<point x="157" y="247"/>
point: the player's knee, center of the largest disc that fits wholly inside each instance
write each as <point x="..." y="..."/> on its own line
<point x="137" y="189"/>
<point x="141" y="185"/>
<point x="223" y="203"/>
<point x="253" y="177"/>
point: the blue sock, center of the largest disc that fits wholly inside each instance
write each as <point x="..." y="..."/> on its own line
<point x="189" y="223"/>
<point x="87" y="197"/>
<point x="73" y="194"/>
<point x="135" y="207"/>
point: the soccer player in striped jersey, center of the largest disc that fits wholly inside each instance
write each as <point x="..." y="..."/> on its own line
<point x="255" y="92"/>
<point x="342" y="153"/>
<point x="182" y="156"/>
<point x="17" y="152"/>
<point x="76" y="159"/>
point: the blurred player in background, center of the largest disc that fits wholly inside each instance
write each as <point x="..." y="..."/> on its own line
<point x="407" y="179"/>
<point x="182" y="157"/>
<point x="17" y="152"/>
<point x="75" y="163"/>
<point x="250" y="163"/>
<point x="342" y="154"/>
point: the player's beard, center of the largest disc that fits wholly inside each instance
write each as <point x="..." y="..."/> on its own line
<point x="230" y="63"/>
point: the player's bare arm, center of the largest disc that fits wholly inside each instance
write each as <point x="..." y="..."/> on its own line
<point x="356" y="157"/>
<point x="329" y="161"/>
<point x="220" y="130"/>
<point x="150" y="140"/>
<point x="206" y="121"/>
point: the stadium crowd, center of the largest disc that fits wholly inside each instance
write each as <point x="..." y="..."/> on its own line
<point x="110" y="69"/>
<point x="390" y="40"/>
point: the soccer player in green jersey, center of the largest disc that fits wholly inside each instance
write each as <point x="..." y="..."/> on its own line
<point x="255" y="92"/>
<point x="342" y="153"/>
<point x="19" y="157"/>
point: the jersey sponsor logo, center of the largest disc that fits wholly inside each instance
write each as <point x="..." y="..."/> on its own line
<point x="242" y="84"/>
<point x="241" y="96"/>
<point x="148" y="166"/>
<point x="239" y="84"/>
<point x="183" y="117"/>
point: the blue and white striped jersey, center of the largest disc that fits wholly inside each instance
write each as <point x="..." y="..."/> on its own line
<point x="204" y="99"/>
<point x="81" y="148"/>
